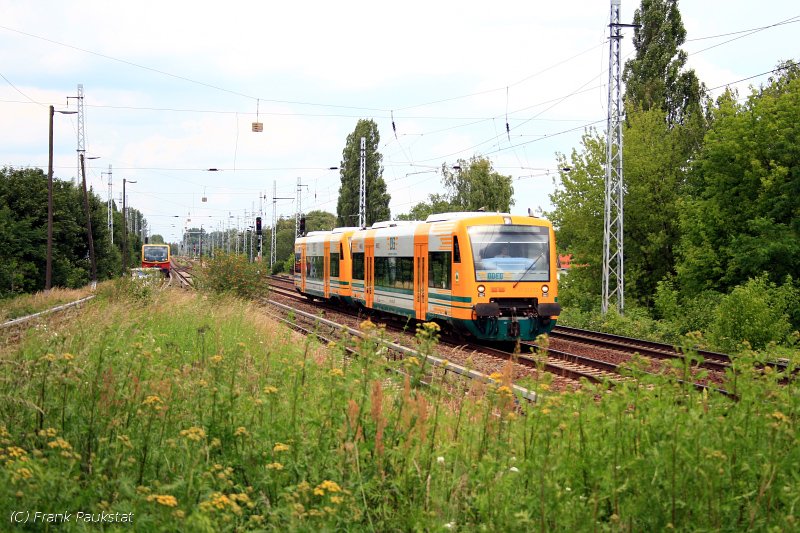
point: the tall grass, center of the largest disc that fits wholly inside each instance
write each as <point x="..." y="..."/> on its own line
<point x="33" y="303"/>
<point x="197" y="413"/>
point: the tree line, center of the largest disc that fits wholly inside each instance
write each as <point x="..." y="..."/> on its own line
<point x="23" y="233"/>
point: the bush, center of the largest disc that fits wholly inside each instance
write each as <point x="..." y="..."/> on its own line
<point x="683" y="315"/>
<point x="756" y="313"/>
<point x="233" y="274"/>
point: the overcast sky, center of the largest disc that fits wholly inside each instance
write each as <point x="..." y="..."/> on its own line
<point x="171" y="90"/>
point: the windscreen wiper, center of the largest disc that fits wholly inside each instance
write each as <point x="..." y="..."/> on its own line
<point x="527" y="270"/>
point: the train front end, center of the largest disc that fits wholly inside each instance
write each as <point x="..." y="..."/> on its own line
<point x="505" y="286"/>
<point x="156" y="256"/>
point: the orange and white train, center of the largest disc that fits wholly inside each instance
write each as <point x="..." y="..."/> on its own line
<point x="492" y="276"/>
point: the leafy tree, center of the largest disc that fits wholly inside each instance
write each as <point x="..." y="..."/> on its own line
<point x="473" y="185"/>
<point x="320" y="221"/>
<point x="578" y="219"/>
<point x="655" y="182"/>
<point x="655" y="77"/>
<point x="744" y="216"/>
<point x="377" y="199"/>
<point x="437" y="203"/>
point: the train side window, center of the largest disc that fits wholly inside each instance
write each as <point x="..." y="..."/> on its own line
<point x="405" y="276"/>
<point x="381" y="277"/>
<point x="358" y="265"/>
<point x="439" y="268"/>
<point x="334" y="265"/>
<point x="456" y="250"/>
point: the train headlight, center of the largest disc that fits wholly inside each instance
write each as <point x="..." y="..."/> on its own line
<point x="545" y="289"/>
<point x="481" y="290"/>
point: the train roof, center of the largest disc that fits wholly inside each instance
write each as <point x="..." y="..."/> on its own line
<point x="441" y="217"/>
<point x="344" y="229"/>
<point x="393" y="223"/>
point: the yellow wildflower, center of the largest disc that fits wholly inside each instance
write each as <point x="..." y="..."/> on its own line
<point x="496" y="376"/>
<point x="280" y="447"/>
<point x="337" y="499"/>
<point x="16" y="452"/>
<point x="544" y="387"/>
<point x="22" y="473"/>
<point x="194" y="433"/>
<point x="336" y="372"/>
<point x="240" y="432"/>
<point x="68" y="357"/>
<point x="330" y="486"/>
<point x="269" y="389"/>
<point x="153" y="400"/>
<point x="60" y="443"/>
<point x="274" y="466"/>
<point x="505" y="389"/>
<point x="163" y="499"/>
<point x="216" y="359"/>
<point x="49" y="432"/>
<point x="411" y="361"/>
<point x="780" y="417"/>
<point x="367" y="325"/>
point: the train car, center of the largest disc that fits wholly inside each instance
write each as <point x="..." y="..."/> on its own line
<point x="322" y="268"/>
<point x="492" y="276"/>
<point x="156" y="256"/>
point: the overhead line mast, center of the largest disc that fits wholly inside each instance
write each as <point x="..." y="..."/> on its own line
<point x="613" y="219"/>
<point x="81" y="132"/>
<point x="362" y="186"/>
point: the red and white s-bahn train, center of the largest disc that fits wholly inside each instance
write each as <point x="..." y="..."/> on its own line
<point x="491" y="276"/>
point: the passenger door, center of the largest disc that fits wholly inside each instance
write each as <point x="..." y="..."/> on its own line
<point x="326" y="269"/>
<point x="369" y="273"/>
<point x="421" y="280"/>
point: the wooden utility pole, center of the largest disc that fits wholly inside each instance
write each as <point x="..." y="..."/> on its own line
<point x="48" y="274"/>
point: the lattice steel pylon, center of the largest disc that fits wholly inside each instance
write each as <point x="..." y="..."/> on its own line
<point x="613" y="220"/>
<point x="110" y="206"/>
<point x="81" y="132"/>
<point x="362" y="186"/>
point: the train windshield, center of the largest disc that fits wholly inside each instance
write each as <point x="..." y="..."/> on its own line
<point x="156" y="253"/>
<point x="510" y="253"/>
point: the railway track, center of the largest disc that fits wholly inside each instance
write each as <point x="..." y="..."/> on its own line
<point x="717" y="362"/>
<point x="311" y="324"/>
<point x="12" y="331"/>
<point x="566" y="364"/>
<point x="181" y="274"/>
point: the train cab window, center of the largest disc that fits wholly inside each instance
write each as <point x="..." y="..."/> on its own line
<point x="358" y="265"/>
<point x="297" y="264"/>
<point x="334" y="265"/>
<point x="517" y="253"/>
<point x="439" y="268"/>
<point x="456" y="250"/>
